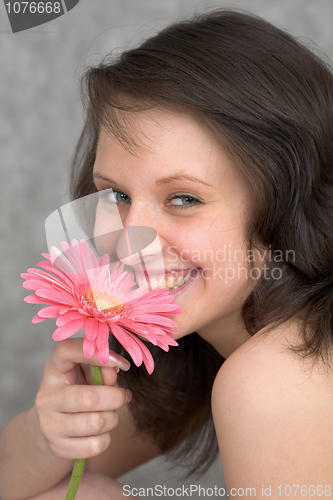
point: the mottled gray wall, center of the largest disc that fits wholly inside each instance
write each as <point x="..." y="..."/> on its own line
<point x="41" y="119"/>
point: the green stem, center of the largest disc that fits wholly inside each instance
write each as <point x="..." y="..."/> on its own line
<point x="79" y="463"/>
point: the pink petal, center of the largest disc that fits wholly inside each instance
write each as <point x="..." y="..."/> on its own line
<point x="67" y="317"/>
<point x="73" y="257"/>
<point x="34" y="299"/>
<point x="159" y="308"/>
<point x="116" y="271"/>
<point x="69" y="280"/>
<point x="66" y="331"/>
<point x="64" y="245"/>
<point x="146" y="354"/>
<point x="62" y="266"/>
<point x="127" y="282"/>
<point x="161" y="334"/>
<point x="154" y="318"/>
<point x="25" y="276"/>
<point x="91" y="328"/>
<point x="55" y="277"/>
<point x="88" y="258"/>
<point x="147" y="358"/>
<point x="33" y="284"/>
<point x="127" y="342"/>
<point x="88" y="347"/>
<point x="104" y="260"/>
<point x="55" y="296"/>
<point x="103" y="356"/>
<point x="102" y="336"/>
<point x="49" y="312"/>
<point x="37" y="319"/>
<point x="46" y="255"/>
<point x="117" y="282"/>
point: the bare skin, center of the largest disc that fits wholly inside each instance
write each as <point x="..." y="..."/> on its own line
<point x="273" y="416"/>
<point x="92" y="486"/>
<point x="271" y="413"/>
<point x="71" y="419"/>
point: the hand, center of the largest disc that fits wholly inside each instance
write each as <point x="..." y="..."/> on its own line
<point x="75" y="416"/>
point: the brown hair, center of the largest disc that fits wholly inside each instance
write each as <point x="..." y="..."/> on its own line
<point x="271" y="100"/>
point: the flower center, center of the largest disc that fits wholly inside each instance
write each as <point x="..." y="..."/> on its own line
<point x="102" y="300"/>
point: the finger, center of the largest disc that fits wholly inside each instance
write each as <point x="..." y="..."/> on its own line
<point x="89" y="398"/>
<point x="89" y="423"/>
<point x="81" y="447"/>
<point x="109" y="375"/>
<point x="69" y="352"/>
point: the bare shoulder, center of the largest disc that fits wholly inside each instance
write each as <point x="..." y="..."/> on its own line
<point x="273" y="415"/>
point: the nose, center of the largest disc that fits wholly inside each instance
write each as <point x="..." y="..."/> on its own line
<point x="140" y="213"/>
<point x="141" y="246"/>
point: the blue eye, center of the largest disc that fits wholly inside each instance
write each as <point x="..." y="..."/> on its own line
<point x="118" y="197"/>
<point x="113" y="197"/>
<point x="187" y="201"/>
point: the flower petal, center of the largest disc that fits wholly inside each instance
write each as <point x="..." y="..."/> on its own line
<point x="66" y="331"/>
<point x="91" y="328"/>
<point x="102" y="336"/>
<point x="59" y="297"/>
<point x="37" y="319"/>
<point x="67" y="317"/>
<point x="154" y="318"/>
<point x="89" y="347"/>
<point x="128" y="343"/>
<point x="162" y="308"/>
<point x="34" y="299"/>
<point x="49" y="312"/>
<point x="103" y="356"/>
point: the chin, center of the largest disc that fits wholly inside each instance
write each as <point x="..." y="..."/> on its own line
<point x="181" y="334"/>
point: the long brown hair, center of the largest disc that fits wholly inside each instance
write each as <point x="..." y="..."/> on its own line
<point x="269" y="100"/>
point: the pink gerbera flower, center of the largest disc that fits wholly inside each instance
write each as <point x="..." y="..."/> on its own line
<point x="81" y="293"/>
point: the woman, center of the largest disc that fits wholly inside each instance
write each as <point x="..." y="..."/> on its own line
<point x="217" y="133"/>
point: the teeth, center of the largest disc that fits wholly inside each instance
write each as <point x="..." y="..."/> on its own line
<point x="170" y="282"/>
<point x="162" y="284"/>
<point x="153" y="283"/>
<point x="180" y="281"/>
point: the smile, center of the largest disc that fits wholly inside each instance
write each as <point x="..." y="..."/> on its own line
<point x="172" y="280"/>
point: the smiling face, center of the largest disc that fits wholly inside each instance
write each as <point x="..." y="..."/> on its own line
<point x="182" y="184"/>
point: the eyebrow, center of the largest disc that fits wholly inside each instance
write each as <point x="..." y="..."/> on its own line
<point x="181" y="177"/>
<point x="165" y="180"/>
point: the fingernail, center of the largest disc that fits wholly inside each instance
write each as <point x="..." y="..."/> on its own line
<point x="123" y="364"/>
<point x="128" y="396"/>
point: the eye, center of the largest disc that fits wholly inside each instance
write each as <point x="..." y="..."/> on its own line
<point x="183" y="201"/>
<point x="112" y="197"/>
<point x="180" y="200"/>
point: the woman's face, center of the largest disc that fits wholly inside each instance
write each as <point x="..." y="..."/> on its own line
<point x="181" y="183"/>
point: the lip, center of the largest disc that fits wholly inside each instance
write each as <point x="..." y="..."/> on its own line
<point x="153" y="271"/>
<point x="182" y="271"/>
<point x="187" y="285"/>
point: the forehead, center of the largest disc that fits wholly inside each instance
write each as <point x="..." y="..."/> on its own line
<point x="159" y="139"/>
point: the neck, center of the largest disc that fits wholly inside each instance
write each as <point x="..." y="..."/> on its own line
<point x="225" y="335"/>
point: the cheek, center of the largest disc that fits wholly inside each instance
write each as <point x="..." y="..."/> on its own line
<point x="107" y="231"/>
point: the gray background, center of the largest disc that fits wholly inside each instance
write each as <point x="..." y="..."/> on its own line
<point x="41" y="119"/>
